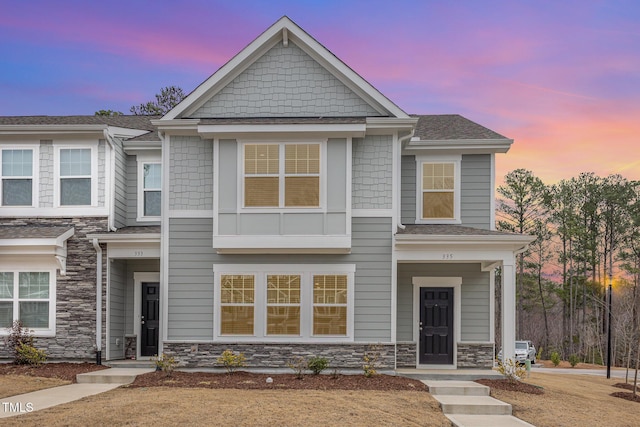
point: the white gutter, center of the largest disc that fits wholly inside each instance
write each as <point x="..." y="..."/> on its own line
<point x="110" y="196"/>
<point x="98" y="249"/>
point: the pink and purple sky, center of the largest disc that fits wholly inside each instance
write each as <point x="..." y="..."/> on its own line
<point x="562" y="78"/>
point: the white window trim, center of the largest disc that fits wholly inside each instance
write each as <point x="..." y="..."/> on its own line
<point x="306" y="271"/>
<point x="141" y="161"/>
<point x="438" y="282"/>
<point x="281" y="143"/>
<point x="93" y="146"/>
<point x="37" y="332"/>
<point x="35" y="173"/>
<point x="457" y="162"/>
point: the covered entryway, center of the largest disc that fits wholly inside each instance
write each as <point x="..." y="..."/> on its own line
<point x="445" y="294"/>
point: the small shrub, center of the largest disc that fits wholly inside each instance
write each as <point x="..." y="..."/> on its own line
<point x="574" y="360"/>
<point x="539" y="354"/>
<point x="231" y="361"/>
<point x="318" y="364"/>
<point x="29" y="355"/>
<point x="512" y="370"/>
<point x="18" y="334"/>
<point x="165" y="363"/>
<point x="555" y="358"/>
<point x="370" y="359"/>
<point x="298" y="364"/>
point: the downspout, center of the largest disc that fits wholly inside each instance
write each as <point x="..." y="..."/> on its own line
<point x="98" y="249"/>
<point x="401" y="141"/>
<point x="110" y="196"/>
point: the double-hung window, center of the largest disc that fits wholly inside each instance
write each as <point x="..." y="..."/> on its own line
<point x="439" y="190"/>
<point x="151" y="189"/>
<point x="75" y="177"/>
<point x="282" y="175"/>
<point x="267" y="302"/>
<point x="17" y="177"/>
<point x="27" y="297"/>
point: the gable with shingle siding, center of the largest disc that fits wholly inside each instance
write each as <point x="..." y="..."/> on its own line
<point x="285" y="81"/>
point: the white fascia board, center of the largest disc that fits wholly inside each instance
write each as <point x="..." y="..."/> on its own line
<point x="133" y="238"/>
<point x="120" y="132"/>
<point x="140" y="147"/>
<point x="177" y="126"/>
<point x="282" y="244"/>
<point x="424" y="242"/>
<point x="50" y="130"/>
<point x="37" y="246"/>
<point x="465" y="146"/>
<point x="385" y="124"/>
<point x="247" y="130"/>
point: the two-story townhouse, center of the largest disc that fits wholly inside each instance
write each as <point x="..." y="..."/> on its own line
<point x="284" y="207"/>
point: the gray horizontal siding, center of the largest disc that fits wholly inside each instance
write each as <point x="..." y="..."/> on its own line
<point x="120" y="187"/>
<point x="476" y="191"/>
<point x="475" y="314"/>
<point x="117" y="308"/>
<point x="191" y="259"/>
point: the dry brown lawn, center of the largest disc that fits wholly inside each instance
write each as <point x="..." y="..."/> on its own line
<point x="572" y="400"/>
<point x="163" y="406"/>
<point x="12" y="385"/>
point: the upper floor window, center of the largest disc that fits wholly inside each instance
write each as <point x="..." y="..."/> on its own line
<point x="17" y="177"/>
<point x="28" y="297"/>
<point x="75" y="177"/>
<point x="151" y="189"/>
<point x="282" y="175"/>
<point x="439" y="190"/>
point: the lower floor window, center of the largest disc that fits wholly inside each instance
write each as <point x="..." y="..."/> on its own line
<point x="26" y="296"/>
<point x="265" y="302"/>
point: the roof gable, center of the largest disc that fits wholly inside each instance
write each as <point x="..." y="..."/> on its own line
<point x="284" y="39"/>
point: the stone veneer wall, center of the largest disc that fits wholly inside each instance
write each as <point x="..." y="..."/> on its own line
<point x="75" y="292"/>
<point x="406" y="355"/>
<point x="276" y="355"/>
<point x="475" y="355"/>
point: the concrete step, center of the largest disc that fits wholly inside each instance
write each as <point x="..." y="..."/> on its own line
<point x="112" y="376"/>
<point x="487" y="421"/>
<point x="472" y="405"/>
<point x="456" y="388"/>
<point x="449" y="374"/>
<point x="131" y="364"/>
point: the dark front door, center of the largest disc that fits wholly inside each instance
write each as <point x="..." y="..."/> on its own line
<point x="436" y="326"/>
<point x="150" y="319"/>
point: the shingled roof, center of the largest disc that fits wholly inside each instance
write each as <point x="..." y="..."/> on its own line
<point x="451" y="127"/>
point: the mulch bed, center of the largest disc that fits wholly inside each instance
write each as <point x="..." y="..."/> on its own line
<point x="61" y="370"/>
<point x="255" y="381"/>
<point x="626" y="395"/>
<point x="508" y="385"/>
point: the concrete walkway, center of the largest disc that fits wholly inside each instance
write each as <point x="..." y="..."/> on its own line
<point x="88" y="384"/>
<point x="468" y="404"/>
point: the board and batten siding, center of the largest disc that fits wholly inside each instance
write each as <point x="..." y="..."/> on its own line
<point x="191" y="260"/>
<point x="117" y="308"/>
<point x="476" y="191"/>
<point x="475" y="316"/>
<point x="331" y="222"/>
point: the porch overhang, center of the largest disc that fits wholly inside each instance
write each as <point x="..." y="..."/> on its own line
<point x="49" y="242"/>
<point x="131" y="242"/>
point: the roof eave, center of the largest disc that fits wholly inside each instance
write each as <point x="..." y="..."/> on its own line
<point x="479" y="146"/>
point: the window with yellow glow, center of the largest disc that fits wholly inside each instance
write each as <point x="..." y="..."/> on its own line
<point x="237" y="304"/>
<point x="438" y="190"/>
<point x="283" y="305"/>
<point x="282" y="175"/>
<point x="329" y="305"/>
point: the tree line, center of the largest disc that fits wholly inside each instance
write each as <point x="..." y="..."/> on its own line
<point x="587" y="231"/>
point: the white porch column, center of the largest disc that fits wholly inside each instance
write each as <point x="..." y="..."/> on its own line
<point x="508" y="310"/>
